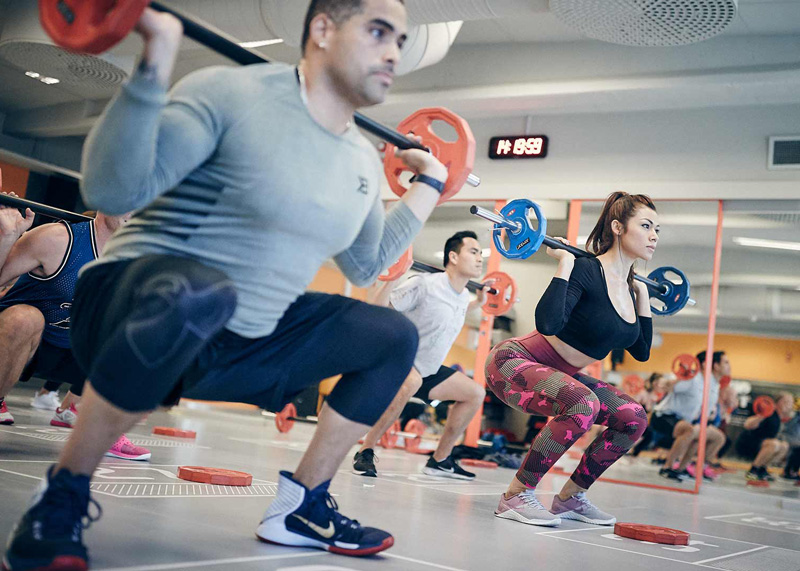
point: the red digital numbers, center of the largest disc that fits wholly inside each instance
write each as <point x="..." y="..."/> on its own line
<point x="518" y="147"/>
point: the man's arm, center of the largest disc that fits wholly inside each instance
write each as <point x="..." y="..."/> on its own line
<point x="142" y="146"/>
<point x="41" y="248"/>
<point x="383" y="238"/>
<point x="380" y="292"/>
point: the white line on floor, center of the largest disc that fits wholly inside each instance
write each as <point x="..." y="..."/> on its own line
<point x="570" y="530"/>
<point x="188" y="564"/>
<point x="727" y="515"/>
<point x="19" y="474"/>
<point x="622" y="549"/>
<point x="730" y="555"/>
<point x="392" y="555"/>
<point x="30" y="461"/>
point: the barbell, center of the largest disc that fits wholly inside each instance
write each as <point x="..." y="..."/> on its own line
<point x="43" y="209"/>
<point x="499" y="299"/>
<point x="94" y="26"/>
<point x="524" y="240"/>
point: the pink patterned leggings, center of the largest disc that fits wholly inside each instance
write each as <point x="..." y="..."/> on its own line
<point x="576" y="402"/>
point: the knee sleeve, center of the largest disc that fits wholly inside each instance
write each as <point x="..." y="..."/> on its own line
<point x="173" y="311"/>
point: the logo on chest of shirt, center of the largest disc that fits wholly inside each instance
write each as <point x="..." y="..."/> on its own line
<point x="64" y="323"/>
<point x="363" y="185"/>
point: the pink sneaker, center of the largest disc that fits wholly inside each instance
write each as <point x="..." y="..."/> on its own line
<point x="127" y="450"/>
<point x="66" y="417"/>
<point x="709" y="474"/>
<point x="5" y="416"/>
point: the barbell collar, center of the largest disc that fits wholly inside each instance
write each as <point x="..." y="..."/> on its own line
<point x="494" y="217"/>
<point x="473" y="180"/>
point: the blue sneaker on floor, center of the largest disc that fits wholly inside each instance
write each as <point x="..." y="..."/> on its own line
<point x="309" y="518"/>
<point x="48" y="537"/>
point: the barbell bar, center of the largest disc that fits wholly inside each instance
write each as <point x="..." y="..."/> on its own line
<point x="43" y="209"/>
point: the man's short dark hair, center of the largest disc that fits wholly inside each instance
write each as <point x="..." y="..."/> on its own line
<point x="338" y="10"/>
<point x="455" y="242"/>
<point x="715" y="360"/>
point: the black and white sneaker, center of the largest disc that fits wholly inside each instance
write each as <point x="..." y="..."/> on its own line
<point x="447" y="468"/>
<point x="765" y="475"/>
<point x="310" y="518"/>
<point x="672" y="474"/>
<point x="49" y="535"/>
<point x="364" y="463"/>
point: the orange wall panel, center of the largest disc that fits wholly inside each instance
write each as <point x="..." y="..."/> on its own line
<point x="14" y="179"/>
<point x="752" y="358"/>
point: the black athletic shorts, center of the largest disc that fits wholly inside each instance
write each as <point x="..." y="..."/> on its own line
<point x="53" y="363"/>
<point x="433" y="380"/>
<point x="664" y="425"/>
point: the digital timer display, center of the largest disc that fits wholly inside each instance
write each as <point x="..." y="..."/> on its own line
<point x="518" y="147"/>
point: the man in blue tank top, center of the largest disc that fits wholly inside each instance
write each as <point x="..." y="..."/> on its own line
<point x="44" y="263"/>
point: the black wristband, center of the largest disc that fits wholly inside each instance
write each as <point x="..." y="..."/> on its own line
<point x="430" y="181"/>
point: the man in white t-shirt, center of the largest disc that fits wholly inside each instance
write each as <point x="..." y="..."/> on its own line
<point x="437" y="304"/>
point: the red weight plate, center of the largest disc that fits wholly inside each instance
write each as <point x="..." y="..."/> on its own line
<point x="416" y="427"/>
<point x="89" y="26"/>
<point x="652" y="533"/>
<point x="400" y="267"/>
<point x="216" y="476"/>
<point x="506" y="296"/>
<point x="685" y="367"/>
<point x="390" y="437"/>
<point x="283" y="420"/>
<point x="764" y="406"/>
<point x="177" y="432"/>
<point x="458" y="156"/>
<point x="633" y="384"/>
<point x="758" y="483"/>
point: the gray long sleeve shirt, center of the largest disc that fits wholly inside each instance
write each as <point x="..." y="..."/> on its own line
<point x="230" y="169"/>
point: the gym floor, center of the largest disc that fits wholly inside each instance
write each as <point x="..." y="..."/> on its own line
<point x="153" y="521"/>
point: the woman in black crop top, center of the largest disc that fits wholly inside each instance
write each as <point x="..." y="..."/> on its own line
<point x="592" y="305"/>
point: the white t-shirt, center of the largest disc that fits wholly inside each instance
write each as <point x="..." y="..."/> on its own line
<point x="438" y="311"/>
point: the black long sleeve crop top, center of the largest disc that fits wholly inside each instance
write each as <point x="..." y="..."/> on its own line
<point x="580" y="313"/>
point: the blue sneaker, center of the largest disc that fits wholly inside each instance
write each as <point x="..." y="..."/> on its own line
<point x="48" y="537"/>
<point x="309" y="518"/>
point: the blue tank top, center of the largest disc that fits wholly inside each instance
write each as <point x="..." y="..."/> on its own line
<point x="52" y="295"/>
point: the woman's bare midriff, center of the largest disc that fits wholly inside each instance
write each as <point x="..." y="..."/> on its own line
<point x="569" y="353"/>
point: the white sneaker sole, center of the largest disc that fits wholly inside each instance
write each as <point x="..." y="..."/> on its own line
<point x="442" y="474"/>
<point x="514" y="516"/>
<point x="141" y="457"/>
<point x="584" y="519"/>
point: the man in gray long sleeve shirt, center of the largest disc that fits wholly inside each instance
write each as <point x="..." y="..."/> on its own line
<point x="245" y="181"/>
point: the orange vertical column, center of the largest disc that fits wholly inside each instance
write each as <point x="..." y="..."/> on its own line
<point x="574" y="221"/>
<point x="484" y="345"/>
<point x="712" y="326"/>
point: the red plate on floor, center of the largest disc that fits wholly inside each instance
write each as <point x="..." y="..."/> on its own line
<point x="217" y="476"/>
<point x="652" y="533"/>
<point x="167" y="431"/>
<point x="758" y="483"/>
<point x="478" y="463"/>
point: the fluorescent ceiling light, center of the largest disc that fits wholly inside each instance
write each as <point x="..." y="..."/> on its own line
<point x="32" y="74"/>
<point x="760" y="243"/>
<point x="261" y="43"/>
<point x="50" y="80"/>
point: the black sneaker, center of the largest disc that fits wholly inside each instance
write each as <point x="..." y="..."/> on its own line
<point x="754" y="474"/>
<point x="658" y="461"/>
<point x="309" y="518"/>
<point x="765" y="475"/>
<point x="793" y="476"/>
<point x="48" y="537"/>
<point x="671" y="474"/>
<point x="447" y="468"/>
<point x="364" y="463"/>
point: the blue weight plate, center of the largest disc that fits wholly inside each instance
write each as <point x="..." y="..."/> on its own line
<point x="677" y="295"/>
<point x="525" y="242"/>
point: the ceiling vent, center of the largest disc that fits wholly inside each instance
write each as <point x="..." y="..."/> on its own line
<point x="784" y="153"/>
<point x="655" y="23"/>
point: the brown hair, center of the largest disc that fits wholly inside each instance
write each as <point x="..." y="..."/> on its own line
<point x="619" y="206"/>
